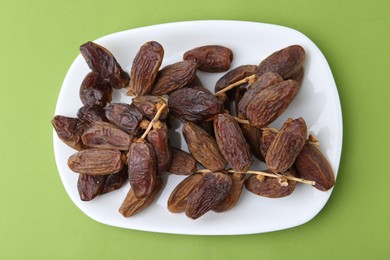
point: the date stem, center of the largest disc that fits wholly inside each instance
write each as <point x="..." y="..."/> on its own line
<point x="152" y="122"/>
<point x="272" y="175"/>
<point x="241" y="121"/>
<point x="249" y="79"/>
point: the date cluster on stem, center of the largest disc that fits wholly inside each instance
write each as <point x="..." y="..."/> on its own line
<point x="120" y="143"/>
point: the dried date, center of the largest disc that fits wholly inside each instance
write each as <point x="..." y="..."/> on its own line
<point x="285" y="62"/>
<point x="312" y="165"/>
<point x="115" y="181"/>
<point x="173" y="77"/>
<point x="233" y="194"/>
<point x="102" y="62"/>
<point x="213" y="189"/>
<point x="286" y="145"/>
<point x="90" y="114"/>
<point x="203" y="147"/>
<point x="96" y="161"/>
<point x="194" y="104"/>
<point x="210" y="58"/>
<point x="69" y="130"/>
<point x="270" y="103"/>
<point x="104" y="135"/>
<point x="133" y="205"/>
<point x="95" y="91"/>
<point x="177" y="201"/>
<point x="269" y="187"/>
<point x="232" y="143"/>
<point x="142" y="168"/>
<point x="90" y="186"/>
<point x="145" y="68"/>
<point x="126" y="117"/>
<point x="253" y="136"/>
<point x="158" y="138"/>
<point x="266" y="80"/>
<point x="182" y="163"/>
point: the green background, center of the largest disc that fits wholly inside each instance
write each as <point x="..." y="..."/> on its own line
<point x="39" y="41"/>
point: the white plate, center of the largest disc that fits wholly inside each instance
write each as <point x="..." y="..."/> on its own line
<point x="317" y="102"/>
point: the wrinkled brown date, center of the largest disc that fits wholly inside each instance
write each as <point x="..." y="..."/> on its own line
<point x="266" y="80"/>
<point x="96" y="161"/>
<point x="194" y="104"/>
<point x="285" y="62"/>
<point x="233" y="194"/>
<point x="115" y="181"/>
<point x="233" y="76"/>
<point x="158" y="138"/>
<point x="182" y="163"/>
<point x="142" y="168"/>
<point x="149" y="105"/>
<point x="252" y="136"/>
<point x="213" y="189"/>
<point x="210" y="58"/>
<point x="104" y="135"/>
<point x="298" y="76"/>
<point x="145" y="68"/>
<point x="232" y="143"/>
<point x="69" y="130"/>
<point x="268" y="186"/>
<point x="126" y="117"/>
<point x="203" y="147"/>
<point x="312" y="165"/>
<point x="133" y="205"/>
<point x="267" y="137"/>
<point x="286" y="145"/>
<point x="270" y="103"/>
<point x="102" y="62"/>
<point x="173" y="77"/>
<point x="90" y="114"/>
<point x="89" y="186"/>
<point x="95" y="91"/>
<point x="177" y="201"/>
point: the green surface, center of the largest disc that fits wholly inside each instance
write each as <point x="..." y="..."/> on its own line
<point x="39" y="41"/>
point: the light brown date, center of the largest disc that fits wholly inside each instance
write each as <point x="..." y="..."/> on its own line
<point x="286" y="145"/>
<point x="285" y="62"/>
<point x="232" y="143"/>
<point x="177" y="201"/>
<point x="104" y="135"/>
<point x="269" y="187"/>
<point x="233" y="194"/>
<point x="203" y="147"/>
<point x="142" y="169"/>
<point x="158" y="138"/>
<point x="133" y="205"/>
<point x="270" y="103"/>
<point x="173" y="77"/>
<point x="145" y="68"/>
<point x="312" y="165"/>
<point x="213" y="189"/>
<point x="182" y="163"/>
<point x="96" y="161"/>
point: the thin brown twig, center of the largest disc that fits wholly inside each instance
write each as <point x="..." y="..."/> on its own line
<point x="249" y="79"/>
<point x="154" y="120"/>
<point x="272" y="175"/>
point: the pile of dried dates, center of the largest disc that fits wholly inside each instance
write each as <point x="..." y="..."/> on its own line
<point x="225" y="131"/>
